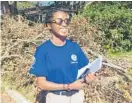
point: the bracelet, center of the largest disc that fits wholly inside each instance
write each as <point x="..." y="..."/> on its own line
<point x="68" y="87"/>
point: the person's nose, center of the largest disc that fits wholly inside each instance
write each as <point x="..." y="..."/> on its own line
<point x="64" y="24"/>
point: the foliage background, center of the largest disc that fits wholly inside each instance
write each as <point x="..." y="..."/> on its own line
<point x="114" y="22"/>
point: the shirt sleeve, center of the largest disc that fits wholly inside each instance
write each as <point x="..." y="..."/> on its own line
<point x="39" y="67"/>
<point x="82" y="59"/>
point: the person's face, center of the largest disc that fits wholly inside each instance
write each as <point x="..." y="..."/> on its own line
<point x="59" y="24"/>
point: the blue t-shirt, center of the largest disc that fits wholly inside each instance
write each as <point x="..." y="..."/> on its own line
<point x="59" y="64"/>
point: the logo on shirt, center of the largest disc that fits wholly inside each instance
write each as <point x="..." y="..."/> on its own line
<point x="74" y="58"/>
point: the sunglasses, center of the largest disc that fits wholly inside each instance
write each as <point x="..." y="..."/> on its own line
<point x="59" y="21"/>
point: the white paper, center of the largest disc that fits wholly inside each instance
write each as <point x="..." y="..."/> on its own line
<point x="93" y="66"/>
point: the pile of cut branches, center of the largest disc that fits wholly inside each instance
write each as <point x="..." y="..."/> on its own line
<point x="20" y="38"/>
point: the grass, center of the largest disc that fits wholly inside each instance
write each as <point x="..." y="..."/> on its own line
<point x="127" y="55"/>
<point x="127" y="58"/>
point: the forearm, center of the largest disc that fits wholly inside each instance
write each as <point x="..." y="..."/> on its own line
<point x="47" y="85"/>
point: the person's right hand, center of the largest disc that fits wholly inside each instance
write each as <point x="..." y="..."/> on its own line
<point x="78" y="84"/>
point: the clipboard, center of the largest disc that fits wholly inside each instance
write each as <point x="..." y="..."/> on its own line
<point x="90" y="68"/>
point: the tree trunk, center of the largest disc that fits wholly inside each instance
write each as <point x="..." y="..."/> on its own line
<point x="14" y="10"/>
<point x="5" y="7"/>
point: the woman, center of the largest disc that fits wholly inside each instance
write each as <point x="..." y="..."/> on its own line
<point x="57" y="62"/>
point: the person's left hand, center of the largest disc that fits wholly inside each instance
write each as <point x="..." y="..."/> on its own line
<point x="90" y="77"/>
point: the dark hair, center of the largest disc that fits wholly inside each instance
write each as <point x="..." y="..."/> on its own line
<point x="50" y="13"/>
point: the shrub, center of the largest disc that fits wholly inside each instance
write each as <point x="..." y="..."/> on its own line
<point x="114" y="22"/>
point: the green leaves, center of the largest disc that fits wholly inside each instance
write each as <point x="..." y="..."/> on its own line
<point x="114" y="19"/>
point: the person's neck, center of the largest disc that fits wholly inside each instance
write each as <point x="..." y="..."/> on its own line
<point x="58" y="41"/>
